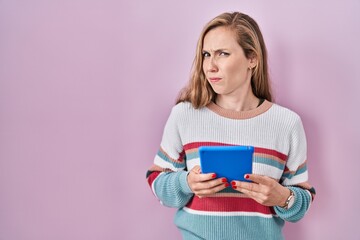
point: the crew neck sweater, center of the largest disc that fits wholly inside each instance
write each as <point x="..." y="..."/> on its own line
<point x="278" y="137"/>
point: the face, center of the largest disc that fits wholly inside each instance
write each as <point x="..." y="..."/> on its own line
<point x="224" y="63"/>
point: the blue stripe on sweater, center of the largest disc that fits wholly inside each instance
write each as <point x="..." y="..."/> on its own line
<point x="289" y="175"/>
<point x="193" y="226"/>
<point x="167" y="159"/>
<point x="268" y="161"/>
<point x="192" y="155"/>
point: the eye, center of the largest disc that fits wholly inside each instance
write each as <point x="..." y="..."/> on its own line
<point x="206" y="54"/>
<point x="224" y="54"/>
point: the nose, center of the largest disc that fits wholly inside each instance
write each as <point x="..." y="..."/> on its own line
<point x="211" y="65"/>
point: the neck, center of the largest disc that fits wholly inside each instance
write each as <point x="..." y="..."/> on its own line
<point x="239" y="103"/>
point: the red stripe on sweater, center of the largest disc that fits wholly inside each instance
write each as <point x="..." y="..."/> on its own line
<point x="256" y="150"/>
<point x="200" y="144"/>
<point x="152" y="177"/>
<point x="228" y="204"/>
<point x="271" y="152"/>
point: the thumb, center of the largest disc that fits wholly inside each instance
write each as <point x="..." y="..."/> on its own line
<point x="196" y="169"/>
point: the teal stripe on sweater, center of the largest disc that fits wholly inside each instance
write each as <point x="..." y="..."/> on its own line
<point x="195" y="227"/>
<point x="263" y="160"/>
<point x="192" y="155"/>
<point x="269" y="161"/>
<point x="289" y="175"/>
<point x="167" y="159"/>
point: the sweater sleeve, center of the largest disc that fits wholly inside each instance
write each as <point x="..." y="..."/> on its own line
<point x="168" y="176"/>
<point x="295" y="176"/>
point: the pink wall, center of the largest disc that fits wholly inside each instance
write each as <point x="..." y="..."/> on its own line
<point x="86" y="87"/>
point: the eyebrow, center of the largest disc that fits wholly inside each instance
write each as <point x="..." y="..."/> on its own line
<point x="216" y="51"/>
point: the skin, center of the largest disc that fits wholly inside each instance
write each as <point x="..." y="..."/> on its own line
<point x="225" y="59"/>
<point x="229" y="73"/>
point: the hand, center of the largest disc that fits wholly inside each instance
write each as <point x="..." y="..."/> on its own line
<point x="205" y="184"/>
<point x="263" y="190"/>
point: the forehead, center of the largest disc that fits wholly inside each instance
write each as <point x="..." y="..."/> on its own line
<point x="220" y="38"/>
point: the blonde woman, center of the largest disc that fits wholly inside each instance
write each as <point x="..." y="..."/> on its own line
<point x="228" y="102"/>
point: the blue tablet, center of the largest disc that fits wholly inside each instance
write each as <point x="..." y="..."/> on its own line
<point x="231" y="162"/>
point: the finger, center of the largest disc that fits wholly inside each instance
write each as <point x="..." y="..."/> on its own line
<point x="254" y="195"/>
<point x="211" y="183"/>
<point x="257" y="178"/>
<point x="203" y="177"/>
<point x="196" y="169"/>
<point x="252" y="187"/>
<point x="210" y="191"/>
<point x="206" y="187"/>
<point x="197" y="176"/>
<point x="248" y="189"/>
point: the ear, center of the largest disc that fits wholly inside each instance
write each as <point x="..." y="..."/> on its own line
<point x="253" y="60"/>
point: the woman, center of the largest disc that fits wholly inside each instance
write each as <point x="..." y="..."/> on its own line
<point x="228" y="102"/>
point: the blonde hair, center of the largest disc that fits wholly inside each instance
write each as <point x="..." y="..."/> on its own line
<point x="198" y="91"/>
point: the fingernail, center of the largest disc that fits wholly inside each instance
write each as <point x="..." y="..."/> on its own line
<point x="233" y="183"/>
<point x="227" y="184"/>
<point x="234" y="187"/>
<point x="214" y="175"/>
<point x="224" y="180"/>
<point x="247" y="176"/>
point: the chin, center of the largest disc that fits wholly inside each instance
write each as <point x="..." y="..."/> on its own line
<point x="218" y="91"/>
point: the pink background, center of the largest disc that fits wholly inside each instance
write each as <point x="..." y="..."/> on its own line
<point x="86" y="87"/>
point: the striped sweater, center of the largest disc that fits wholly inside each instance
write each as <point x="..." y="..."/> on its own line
<point x="280" y="153"/>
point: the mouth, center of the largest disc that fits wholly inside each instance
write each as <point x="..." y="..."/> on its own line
<point x="214" y="79"/>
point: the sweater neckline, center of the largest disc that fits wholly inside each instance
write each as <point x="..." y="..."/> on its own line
<point x="266" y="105"/>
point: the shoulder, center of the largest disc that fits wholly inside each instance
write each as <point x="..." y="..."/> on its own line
<point x="183" y="108"/>
<point x="184" y="113"/>
<point x="284" y="112"/>
<point x="285" y="116"/>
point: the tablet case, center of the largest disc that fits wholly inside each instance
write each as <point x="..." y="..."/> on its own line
<point x="231" y="162"/>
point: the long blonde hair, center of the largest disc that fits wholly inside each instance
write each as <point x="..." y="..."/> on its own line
<point x="198" y="91"/>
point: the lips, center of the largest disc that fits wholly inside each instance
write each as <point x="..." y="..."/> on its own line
<point x="214" y="79"/>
